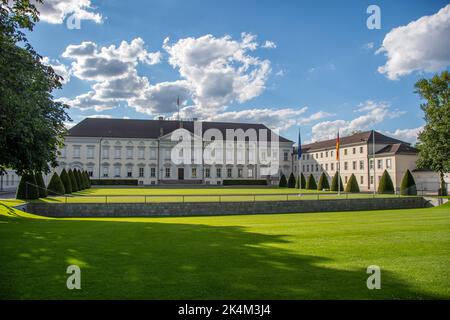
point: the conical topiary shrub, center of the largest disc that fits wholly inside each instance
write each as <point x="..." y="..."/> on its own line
<point x="297" y="182"/>
<point x="283" y="181"/>
<point x="73" y="181"/>
<point x="291" y="181"/>
<point x="88" y="179"/>
<point x="41" y="185"/>
<point x="66" y="181"/>
<point x="386" y="185"/>
<point x="408" y="186"/>
<point x="302" y="181"/>
<point x="55" y="187"/>
<point x="334" y="183"/>
<point x="323" y="182"/>
<point x="352" y="185"/>
<point x="27" y="189"/>
<point x="76" y="173"/>
<point x="311" y="184"/>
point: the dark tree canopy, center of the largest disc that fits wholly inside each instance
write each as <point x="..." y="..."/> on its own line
<point x="55" y="186"/>
<point x="283" y="181"/>
<point x="31" y="122"/>
<point x="66" y="181"/>
<point x="41" y="185"/>
<point x="434" y="140"/>
<point x="352" y="185"/>
<point x="291" y="181"/>
<point x="323" y="182"/>
<point x="311" y="184"/>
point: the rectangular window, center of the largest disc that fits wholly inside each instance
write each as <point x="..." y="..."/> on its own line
<point x="229" y="172"/>
<point x="152" y="154"/>
<point x="354" y="150"/>
<point x="194" y="172"/>
<point x="90" y="153"/>
<point x="240" y="155"/>
<point x="380" y="164"/>
<point x="371" y="179"/>
<point x="90" y="171"/>
<point x="76" y="151"/>
<point x="141" y="172"/>
<point x="346" y="165"/>
<point x="117" y="172"/>
<point x="361" y="165"/>
<point x="354" y="165"/>
<point x="129" y="153"/>
<point x="317" y="167"/>
<point x="250" y="173"/>
<point x="167" y="172"/>
<point x="307" y="168"/>
<point x="332" y="167"/>
<point x="326" y="166"/>
<point x="286" y="156"/>
<point x="326" y="154"/>
<point x="388" y="163"/>
<point x="361" y="179"/>
<point x="303" y="168"/>
<point x="332" y="153"/>
<point x="371" y="164"/>
<point x="117" y="153"/>
<point x="105" y="171"/>
<point x="361" y="149"/>
<point x="141" y="153"/>
<point x="321" y="155"/>
<point x="152" y="172"/>
<point x="239" y="173"/>
<point x="129" y="172"/>
<point x="229" y="155"/>
<point x="345" y="152"/>
<point x="207" y="173"/>
<point x="105" y="153"/>
<point x="218" y="172"/>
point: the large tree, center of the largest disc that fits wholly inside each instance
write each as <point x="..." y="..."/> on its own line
<point x="31" y="121"/>
<point x="434" y="140"/>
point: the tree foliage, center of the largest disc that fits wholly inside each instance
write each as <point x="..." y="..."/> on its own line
<point x="386" y="185"/>
<point x="352" y="185"/>
<point x="27" y="189"/>
<point x="334" y="183"/>
<point x="55" y="186"/>
<point x="73" y="181"/>
<point x="66" y="181"/>
<point x="408" y="185"/>
<point x="323" y="182"/>
<point x="283" y="181"/>
<point x="41" y="185"/>
<point x="77" y="175"/>
<point x="434" y="139"/>
<point x="311" y="184"/>
<point x="291" y="181"/>
<point x="31" y="122"/>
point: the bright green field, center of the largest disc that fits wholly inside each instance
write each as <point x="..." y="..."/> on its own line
<point x="282" y="256"/>
<point x="137" y="195"/>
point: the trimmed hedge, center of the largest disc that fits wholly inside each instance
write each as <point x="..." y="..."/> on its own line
<point x="249" y="182"/>
<point x="334" y="183"/>
<point x="408" y="186"/>
<point x="55" y="187"/>
<point x="352" y="185"/>
<point x="27" y="189"/>
<point x="386" y="185"/>
<point x="77" y="175"/>
<point x="311" y="184"/>
<point x="283" y="182"/>
<point x="323" y="182"/>
<point x="114" y="182"/>
<point x="41" y="185"/>
<point x="73" y="181"/>
<point x="302" y="181"/>
<point x="291" y="181"/>
<point x="66" y="181"/>
<point x="88" y="179"/>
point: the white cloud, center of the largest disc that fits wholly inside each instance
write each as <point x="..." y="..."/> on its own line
<point x="59" y="68"/>
<point x="408" y="135"/>
<point x="56" y="11"/>
<point x="369" y="46"/>
<point x="100" y="116"/>
<point x="88" y="101"/>
<point x="374" y="113"/>
<point x="422" y="45"/>
<point x="280" y="73"/>
<point x="219" y="70"/>
<point x="269" y="45"/>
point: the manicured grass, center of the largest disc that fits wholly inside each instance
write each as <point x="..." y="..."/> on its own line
<point x="282" y="256"/>
<point x="137" y="195"/>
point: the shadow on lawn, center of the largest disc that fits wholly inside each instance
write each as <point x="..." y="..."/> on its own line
<point x="148" y="260"/>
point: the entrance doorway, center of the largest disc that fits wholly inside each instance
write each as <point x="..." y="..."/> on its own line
<point x="180" y="173"/>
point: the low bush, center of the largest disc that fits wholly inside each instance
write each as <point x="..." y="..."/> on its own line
<point x="311" y="184"/>
<point x="27" y="189"/>
<point x="323" y="182"/>
<point x="352" y="185"/>
<point x="334" y="183"/>
<point x="55" y="186"/>
<point x="408" y="186"/>
<point x="291" y="181"/>
<point x="114" y="182"/>
<point x="386" y="185"/>
<point x="283" y="181"/>
<point x="246" y="182"/>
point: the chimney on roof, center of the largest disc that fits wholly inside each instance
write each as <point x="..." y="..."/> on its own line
<point x="160" y="118"/>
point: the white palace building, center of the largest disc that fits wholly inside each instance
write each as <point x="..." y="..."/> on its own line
<point x="158" y="152"/>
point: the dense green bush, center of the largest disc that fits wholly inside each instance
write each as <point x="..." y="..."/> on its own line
<point x="311" y="184"/>
<point x="114" y="182"/>
<point x="76" y="173"/>
<point x="27" y="189"/>
<point x="283" y="181"/>
<point x="41" y="185"/>
<point x="66" y="181"/>
<point x="386" y="185"/>
<point x="334" y="183"/>
<point x="55" y="187"/>
<point x="73" y="181"/>
<point x="88" y="179"/>
<point x="408" y="186"/>
<point x="352" y="185"/>
<point x="302" y="181"/>
<point x="323" y="182"/>
<point x="246" y="182"/>
<point x="291" y="181"/>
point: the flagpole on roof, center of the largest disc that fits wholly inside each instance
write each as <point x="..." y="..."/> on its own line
<point x="299" y="159"/>
<point x="338" y="158"/>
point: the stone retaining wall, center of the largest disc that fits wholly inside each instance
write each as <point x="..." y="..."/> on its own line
<point x="217" y="208"/>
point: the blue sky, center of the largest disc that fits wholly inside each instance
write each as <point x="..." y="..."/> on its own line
<point x="284" y="63"/>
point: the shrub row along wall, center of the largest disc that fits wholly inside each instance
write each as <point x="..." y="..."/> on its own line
<point x="217" y="208"/>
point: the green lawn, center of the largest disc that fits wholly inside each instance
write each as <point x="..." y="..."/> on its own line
<point x="137" y="195"/>
<point x="282" y="256"/>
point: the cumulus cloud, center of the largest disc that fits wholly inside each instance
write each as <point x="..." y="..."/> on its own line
<point x="421" y="45"/>
<point x="56" y="11"/>
<point x="219" y="70"/>
<point x="269" y="45"/>
<point x="374" y="113"/>
<point x="87" y="101"/>
<point x="408" y="135"/>
<point x="59" y="68"/>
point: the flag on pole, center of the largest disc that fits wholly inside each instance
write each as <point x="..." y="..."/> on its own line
<point x="299" y="151"/>
<point x="337" y="146"/>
